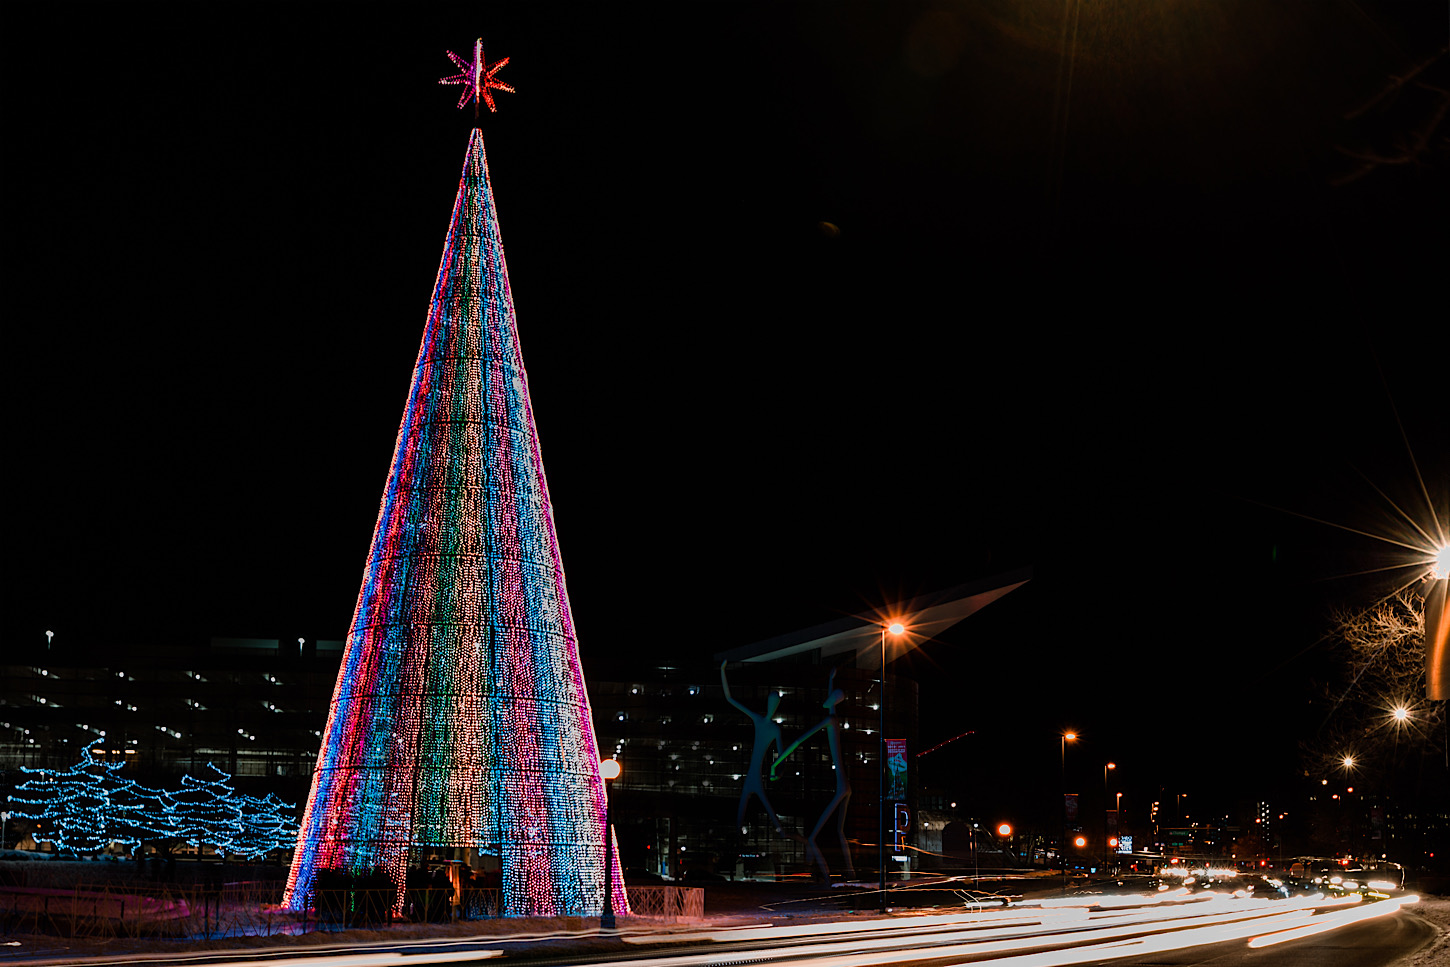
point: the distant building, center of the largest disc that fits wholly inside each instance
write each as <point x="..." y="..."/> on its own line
<point x="253" y="707"/>
<point x="256" y="708"/>
<point x="685" y="750"/>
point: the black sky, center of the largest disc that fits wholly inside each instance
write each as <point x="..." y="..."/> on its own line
<point x="1098" y="346"/>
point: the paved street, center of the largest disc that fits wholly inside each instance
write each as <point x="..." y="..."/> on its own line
<point x="1177" y="928"/>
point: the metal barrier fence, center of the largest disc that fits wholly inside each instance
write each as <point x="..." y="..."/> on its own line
<point x="667" y="902"/>
<point x="135" y="910"/>
<point x="344" y="909"/>
<point x="251" y="909"/>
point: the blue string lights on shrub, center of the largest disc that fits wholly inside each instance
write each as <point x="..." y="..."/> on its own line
<point x="88" y="806"/>
<point x="80" y="808"/>
<point x="460" y="718"/>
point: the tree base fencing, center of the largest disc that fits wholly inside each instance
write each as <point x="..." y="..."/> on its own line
<point x="110" y="910"/>
<point x="672" y="903"/>
<point x="251" y="909"/>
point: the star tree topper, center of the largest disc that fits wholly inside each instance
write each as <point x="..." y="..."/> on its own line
<point x="477" y="78"/>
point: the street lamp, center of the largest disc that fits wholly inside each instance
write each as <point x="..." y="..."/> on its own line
<point x="1106" y="767"/>
<point x="1066" y="738"/>
<point x="609" y="769"/>
<point x="896" y="629"/>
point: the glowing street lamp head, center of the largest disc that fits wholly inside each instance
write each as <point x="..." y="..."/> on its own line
<point x="1111" y="765"/>
<point x="610" y="768"/>
<point x="1401" y="713"/>
<point x="1349" y="762"/>
<point x="896" y="628"/>
<point x="1070" y="736"/>
<point x="1080" y="842"/>
<point x="1440" y="566"/>
<point x="1004" y="830"/>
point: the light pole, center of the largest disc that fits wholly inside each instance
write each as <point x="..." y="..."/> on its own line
<point x="609" y="769"/>
<point x="1062" y="852"/>
<point x="896" y="629"/>
<point x="1106" y="767"/>
<point x="1004" y="832"/>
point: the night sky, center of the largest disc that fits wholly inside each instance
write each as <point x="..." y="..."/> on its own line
<point x="1122" y="331"/>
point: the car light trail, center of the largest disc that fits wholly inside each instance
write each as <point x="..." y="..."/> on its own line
<point x="1081" y="937"/>
<point x="1330" y="921"/>
<point x="906" y="944"/>
<point x="1055" y="936"/>
<point x="390" y="958"/>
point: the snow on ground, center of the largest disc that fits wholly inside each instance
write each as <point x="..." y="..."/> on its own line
<point x="1436" y="954"/>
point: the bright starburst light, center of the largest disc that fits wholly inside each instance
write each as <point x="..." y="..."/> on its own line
<point x="477" y="78"/>
<point x="1421" y="533"/>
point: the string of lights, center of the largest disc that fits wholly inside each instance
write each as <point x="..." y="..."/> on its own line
<point x="460" y="718"/>
<point x="88" y="806"/>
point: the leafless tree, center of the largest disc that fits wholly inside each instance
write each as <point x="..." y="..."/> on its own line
<point x="1377" y="716"/>
<point x="1402" y="124"/>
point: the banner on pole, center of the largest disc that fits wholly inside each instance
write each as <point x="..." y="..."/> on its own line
<point x="896" y="769"/>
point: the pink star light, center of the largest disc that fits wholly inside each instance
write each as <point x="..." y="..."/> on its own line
<point x="477" y="78"/>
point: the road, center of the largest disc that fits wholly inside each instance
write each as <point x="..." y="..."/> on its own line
<point x="1174" y="928"/>
<point x="1368" y="944"/>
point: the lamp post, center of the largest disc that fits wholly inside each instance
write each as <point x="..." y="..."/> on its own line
<point x="1062" y="852"/>
<point x="896" y="629"/>
<point x="1106" y="767"/>
<point x="609" y="769"/>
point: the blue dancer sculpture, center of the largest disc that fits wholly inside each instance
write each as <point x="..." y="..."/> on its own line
<point x="843" y="785"/>
<point x="767" y="733"/>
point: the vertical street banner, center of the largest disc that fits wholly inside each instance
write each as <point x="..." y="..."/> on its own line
<point x="1437" y="640"/>
<point x="896" y="769"/>
<point x="1069" y="808"/>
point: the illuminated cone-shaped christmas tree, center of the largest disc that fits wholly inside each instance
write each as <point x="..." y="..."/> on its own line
<point x="460" y="717"/>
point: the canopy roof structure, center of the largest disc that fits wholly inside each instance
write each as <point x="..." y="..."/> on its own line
<point x="923" y="617"/>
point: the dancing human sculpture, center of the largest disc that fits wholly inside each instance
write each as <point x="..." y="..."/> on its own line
<point x="767" y="733"/>
<point x="839" y="802"/>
